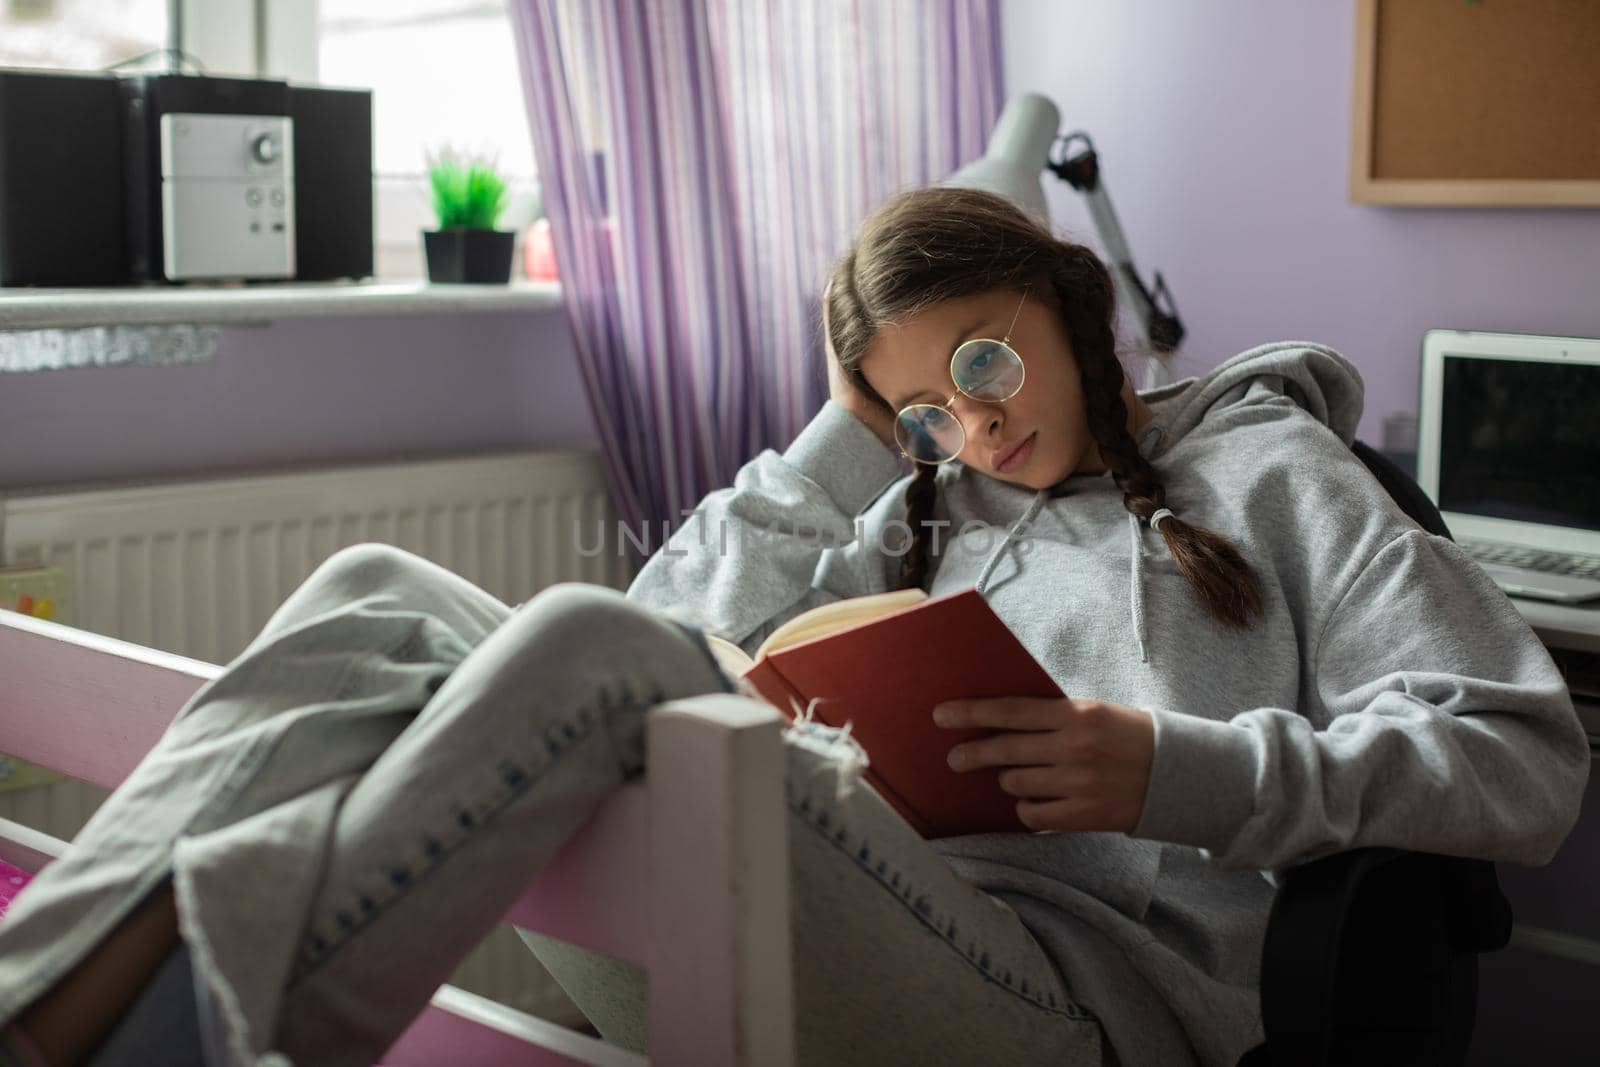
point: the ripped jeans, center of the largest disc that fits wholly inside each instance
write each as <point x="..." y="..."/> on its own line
<point x="406" y="752"/>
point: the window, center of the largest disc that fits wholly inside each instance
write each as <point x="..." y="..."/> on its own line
<point x="442" y="72"/>
<point x="79" y="34"/>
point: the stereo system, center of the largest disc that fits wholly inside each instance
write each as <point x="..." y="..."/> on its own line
<point x="116" y="179"/>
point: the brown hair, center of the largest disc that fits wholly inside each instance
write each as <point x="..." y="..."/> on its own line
<point x="935" y="244"/>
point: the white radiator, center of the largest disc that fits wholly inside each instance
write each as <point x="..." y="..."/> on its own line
<point x="197" y="567"/>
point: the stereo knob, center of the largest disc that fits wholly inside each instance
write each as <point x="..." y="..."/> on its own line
<point x="264" y="148"/>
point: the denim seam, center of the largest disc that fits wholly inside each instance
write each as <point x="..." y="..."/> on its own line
<point x="891" y="880"/>
<point x="316" y="950"/>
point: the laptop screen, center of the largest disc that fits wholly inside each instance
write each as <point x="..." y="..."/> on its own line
<point x="1519" y="440"/>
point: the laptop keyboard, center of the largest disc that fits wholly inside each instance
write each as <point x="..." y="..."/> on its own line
<point x="1565" y="563"/>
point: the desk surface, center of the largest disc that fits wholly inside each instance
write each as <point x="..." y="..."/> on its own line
<point x="1563" y="625"/>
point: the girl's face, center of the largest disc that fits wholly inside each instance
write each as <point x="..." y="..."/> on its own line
<point x="910" y="363"/>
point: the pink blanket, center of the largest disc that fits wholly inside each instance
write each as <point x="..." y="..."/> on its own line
<point x="12" y="879"/>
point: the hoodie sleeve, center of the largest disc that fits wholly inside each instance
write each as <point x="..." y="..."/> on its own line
<point x="782" y="539"/>
<point x="1444" y="727"/>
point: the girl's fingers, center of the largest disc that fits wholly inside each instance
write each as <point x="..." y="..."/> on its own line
<point x="1069" y="813"/>
<point x="1004" y="713"/>
<point x="1003" y="750"/>
<point x="1039" y="783"/>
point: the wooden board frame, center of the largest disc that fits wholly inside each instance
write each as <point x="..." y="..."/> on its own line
<point x="1367" y="189"/>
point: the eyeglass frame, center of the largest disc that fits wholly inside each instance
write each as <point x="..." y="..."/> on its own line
<point x="945" y="406"/>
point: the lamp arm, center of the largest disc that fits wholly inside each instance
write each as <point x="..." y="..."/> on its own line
<point x="1160" y="330"/>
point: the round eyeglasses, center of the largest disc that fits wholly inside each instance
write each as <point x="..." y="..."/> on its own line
<point x="982" y="368"/>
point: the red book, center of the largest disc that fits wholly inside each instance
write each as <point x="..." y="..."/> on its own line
<point x="884" y="676"/>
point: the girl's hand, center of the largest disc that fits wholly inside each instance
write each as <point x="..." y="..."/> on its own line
<point x="1078" y="764"/>
<point x="844" y="393"/>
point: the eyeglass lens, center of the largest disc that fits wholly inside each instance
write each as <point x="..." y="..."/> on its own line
<point x="983" y="369"/>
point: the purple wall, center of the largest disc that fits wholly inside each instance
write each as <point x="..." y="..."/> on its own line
<point x="1223" y="128"/>
<point x="303" y="391"/>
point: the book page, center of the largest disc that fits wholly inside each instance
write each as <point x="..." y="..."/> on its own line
<point x="817" y="622"/>
<point x="840" y="615"/>
<point x="730" y="657"/>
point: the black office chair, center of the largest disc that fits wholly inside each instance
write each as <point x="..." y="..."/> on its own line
<point x="1371" y="956"/>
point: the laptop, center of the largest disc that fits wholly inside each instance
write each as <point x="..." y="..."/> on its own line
<point x="1508" y="449"/>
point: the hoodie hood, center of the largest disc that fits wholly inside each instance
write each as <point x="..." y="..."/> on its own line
<point x="1313" y="376"/>
<point x="1310" y="376"/>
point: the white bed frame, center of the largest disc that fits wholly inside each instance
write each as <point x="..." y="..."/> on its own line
<point x="684" y="874"/>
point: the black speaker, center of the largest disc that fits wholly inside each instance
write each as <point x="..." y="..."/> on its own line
<point x="147" y="97"/>
<point x="81" y="176"/>
<point x="61" y="171"/>
<point x="333" y="182"/>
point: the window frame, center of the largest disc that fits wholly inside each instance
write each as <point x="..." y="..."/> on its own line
<point x="284" y="36"/>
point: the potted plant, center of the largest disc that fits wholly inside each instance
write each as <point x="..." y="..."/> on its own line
<point x="468" y="197"/>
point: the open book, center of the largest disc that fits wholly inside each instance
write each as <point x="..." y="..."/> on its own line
<point x="881" y="663"/>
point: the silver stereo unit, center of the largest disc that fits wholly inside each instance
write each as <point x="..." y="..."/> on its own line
<point x="227" y="196"/>
<point x="110" y="179"/>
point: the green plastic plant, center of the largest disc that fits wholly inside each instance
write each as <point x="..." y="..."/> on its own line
<point x="468" y="192"/>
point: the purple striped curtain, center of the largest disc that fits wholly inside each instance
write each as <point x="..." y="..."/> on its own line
<point x="703" y="162"/>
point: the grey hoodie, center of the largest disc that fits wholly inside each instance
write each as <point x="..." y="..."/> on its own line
<point x="1391" y="695"/>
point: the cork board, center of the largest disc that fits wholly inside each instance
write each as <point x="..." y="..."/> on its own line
<point x="1476" y="102"/>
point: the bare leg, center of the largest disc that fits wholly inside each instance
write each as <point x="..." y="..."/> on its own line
<point x="76" y="1015"/>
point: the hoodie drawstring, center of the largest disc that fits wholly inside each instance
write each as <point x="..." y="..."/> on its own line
<point x="1016" y="528"/>
<point x="1136" y="595"/>
<point x="1135" y="550"/>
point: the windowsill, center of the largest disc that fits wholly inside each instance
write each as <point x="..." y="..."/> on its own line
<point x="255" y="303"/>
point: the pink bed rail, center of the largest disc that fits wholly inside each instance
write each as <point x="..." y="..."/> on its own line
<point x="684" y="874"/>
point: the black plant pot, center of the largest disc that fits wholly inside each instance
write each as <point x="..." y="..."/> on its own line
<point x="478" y="256"/>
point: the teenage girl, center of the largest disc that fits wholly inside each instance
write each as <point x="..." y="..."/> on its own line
<point x="1265" y="662"/>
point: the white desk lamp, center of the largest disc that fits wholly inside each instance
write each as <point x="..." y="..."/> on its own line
<point x="1021" y="148"/>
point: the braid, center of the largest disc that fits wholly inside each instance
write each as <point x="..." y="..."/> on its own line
<point x="940" y="243"/>
<point x="1212" y="565"/>
<point x="920" y="494"/>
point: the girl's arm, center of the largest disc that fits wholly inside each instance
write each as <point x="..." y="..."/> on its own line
<point x="1444" y="727"/>
<point x="783" y="538"/>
